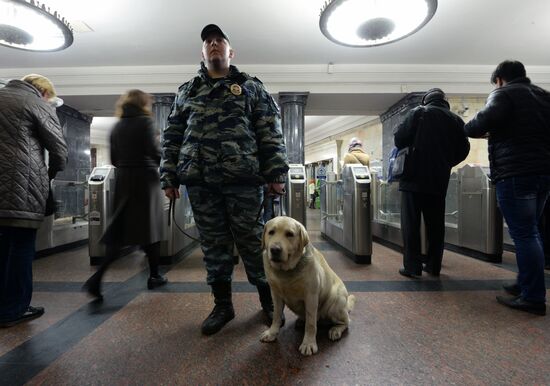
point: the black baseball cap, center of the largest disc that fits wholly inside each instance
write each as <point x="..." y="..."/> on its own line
<point x="212" y="29"/>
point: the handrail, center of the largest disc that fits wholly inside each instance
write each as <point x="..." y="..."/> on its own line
<point x="69" y="182"/>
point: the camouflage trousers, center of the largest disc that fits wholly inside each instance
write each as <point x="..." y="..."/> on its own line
<point x="225" y="216"/>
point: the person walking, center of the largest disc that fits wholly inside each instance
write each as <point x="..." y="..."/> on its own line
<point x="28" y="126"/>
<point x="437" y="142"/>
<point x="137" y="211"/>
<point x="516" y="122"/>
<point x="224" y="142"/>
<point x="312" y="191"/>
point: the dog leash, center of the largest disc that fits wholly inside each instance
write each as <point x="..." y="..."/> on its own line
<point x="172" y="215"/>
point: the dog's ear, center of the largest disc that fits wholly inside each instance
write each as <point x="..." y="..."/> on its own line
<point x="304" y="237"/>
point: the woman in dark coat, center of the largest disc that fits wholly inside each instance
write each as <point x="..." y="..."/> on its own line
<point x="137" y="218"/>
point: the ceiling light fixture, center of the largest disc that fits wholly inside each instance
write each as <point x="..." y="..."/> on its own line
<point x="366" y="23"/>
<point x="29" y="25"/>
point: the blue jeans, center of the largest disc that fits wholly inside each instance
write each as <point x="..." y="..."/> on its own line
<point x="521" y="200"/>
<point x="17" y="251"/>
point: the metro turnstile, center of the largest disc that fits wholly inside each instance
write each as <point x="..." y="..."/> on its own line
<point x="101" y="184"/>
<point x="174" y="244"/>
<point x="386" y="221"/>
<point x="346" y="212"/>
<point x="65" y="228"/>
<point x="295" y="199"/>
<point x="478" y="228"/>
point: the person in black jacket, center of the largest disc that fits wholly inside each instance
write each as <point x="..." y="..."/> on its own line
<point x="436" y="140"/>
<point x="137" y="212"/>
<point x="516" y="120"/>
<point x="28" y="126"/>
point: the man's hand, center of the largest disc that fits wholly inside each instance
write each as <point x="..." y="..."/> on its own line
<point x="172" y="193"/>
<point x="276" y="188"/>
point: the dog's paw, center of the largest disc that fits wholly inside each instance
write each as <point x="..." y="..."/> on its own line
<point x="335" y="332"/>
<point x="268" y="336"/>
<point x="308" y="348"/>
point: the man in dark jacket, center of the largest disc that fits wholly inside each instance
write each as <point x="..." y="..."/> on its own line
<point x="436" y="140"/>
<point x="516" y="120"/>
<point x="28" y="126"/>
<point x="224" y="142"/>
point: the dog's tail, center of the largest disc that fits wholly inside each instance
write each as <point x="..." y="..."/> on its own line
<point x="351" y="302"/>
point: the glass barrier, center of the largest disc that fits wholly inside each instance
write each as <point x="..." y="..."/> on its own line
<point x="451" y="202"/>
<point x="387" y="205"/>
<point x="188" y="211"/>
<point x="334" y="202"/>
<point x="71" y="200"/>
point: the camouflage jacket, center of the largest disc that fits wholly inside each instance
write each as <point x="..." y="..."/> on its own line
<point x="223" y="131"/>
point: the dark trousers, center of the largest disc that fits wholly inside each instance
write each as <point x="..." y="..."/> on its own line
<point x="313" y="197"/>
<point x="432" y="207"/>
<point x="545" y="232"/>
<point x="17" y="251"/>
<point x="225" y="215"/>
<point x="521" y="200"/>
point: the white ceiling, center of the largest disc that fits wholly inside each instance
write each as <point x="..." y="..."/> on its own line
<point x="145" y="32"/>
<point x="155" y="45"/>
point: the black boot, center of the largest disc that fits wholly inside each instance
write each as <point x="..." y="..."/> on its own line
<point x="153" y="255"/>
<point x="223" y="311"/>
<point x="267" y="303"/>
<point x="93" y="286"/>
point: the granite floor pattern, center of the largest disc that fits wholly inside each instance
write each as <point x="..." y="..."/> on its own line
<point x="419" y="332"/>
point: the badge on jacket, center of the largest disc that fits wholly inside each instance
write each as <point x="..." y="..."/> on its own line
<point x="236" y="89"/>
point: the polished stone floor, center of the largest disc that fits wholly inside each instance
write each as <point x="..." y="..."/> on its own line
<point x="430" y="331"/>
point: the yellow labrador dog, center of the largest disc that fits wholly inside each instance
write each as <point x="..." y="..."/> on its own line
<point x="300" y="278"/>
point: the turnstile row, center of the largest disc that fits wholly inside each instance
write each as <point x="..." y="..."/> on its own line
<point x="472" y="220"/>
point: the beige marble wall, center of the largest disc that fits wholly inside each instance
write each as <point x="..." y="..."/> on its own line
<point x="371" y="135"/>
<point x="478" y="147"/>
<point x="103" y="154"/>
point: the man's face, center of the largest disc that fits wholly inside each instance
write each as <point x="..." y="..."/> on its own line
<point x="216" y="52"/>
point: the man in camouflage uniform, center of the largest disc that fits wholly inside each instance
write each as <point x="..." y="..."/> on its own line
<point x="224" y="142"/>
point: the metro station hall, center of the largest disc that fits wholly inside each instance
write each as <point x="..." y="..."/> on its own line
<point x="339" y="192"/>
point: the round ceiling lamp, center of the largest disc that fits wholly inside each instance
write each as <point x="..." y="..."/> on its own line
<point x="367" y="23"/>
<point x="31" y="26"/>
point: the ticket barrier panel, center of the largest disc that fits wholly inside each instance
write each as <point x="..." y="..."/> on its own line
<point x="295" y="199"/>
<point x="479" y="223"/>
<point x="101" y="185"/>
<point x="386" y="216"/>
<point x="175" y="243"/>
<point x="346" y="212"/>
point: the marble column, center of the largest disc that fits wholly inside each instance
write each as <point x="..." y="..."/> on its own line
<point x="162" y="105"/>
<point x="292" y="106"/>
